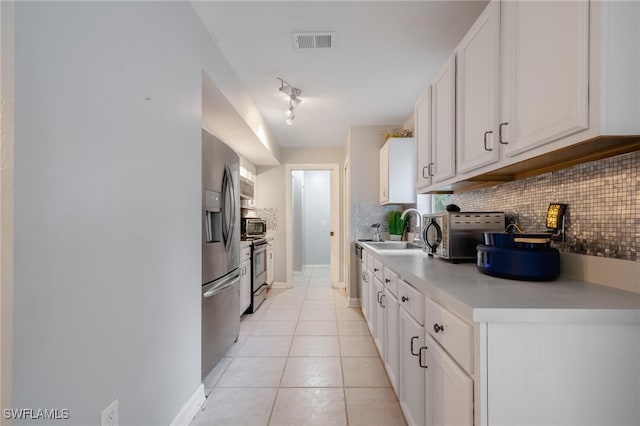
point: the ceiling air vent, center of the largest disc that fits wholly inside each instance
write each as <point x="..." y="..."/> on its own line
<point x="314" y="40"/>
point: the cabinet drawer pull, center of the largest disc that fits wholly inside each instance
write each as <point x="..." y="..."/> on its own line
<point x="375" y="269"/>
<point x="502" y="141"/>
<point x="485" y="140"/>
<point x="431" y="169"/>
<point x="387" y="280"/>
<point x="378" y="296"/>
<point x="405" y="299"/>
<point x="438" y="328"/>
<point x="423" y="365"/>
<point x="412" y="352"/>
<point x="382" y="300"/>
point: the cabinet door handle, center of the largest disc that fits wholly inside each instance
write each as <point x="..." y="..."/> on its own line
<point x="431" y="169"/>
<point x="502" y="141"/>
<point x="438" y="328"/>
<point x="382" y="300"/>
<point x="485" y="140"/>
<point x="425" y="167"/>
<point x="378" y="297"/>
<point x="405" y="299"/>
<point x="412" y="352"/>
<point x="423" y="365"/>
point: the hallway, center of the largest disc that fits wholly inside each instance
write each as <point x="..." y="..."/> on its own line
<point x="304" y="358"/>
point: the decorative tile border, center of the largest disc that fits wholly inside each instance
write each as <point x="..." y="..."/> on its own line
<point x="603" y="215"/>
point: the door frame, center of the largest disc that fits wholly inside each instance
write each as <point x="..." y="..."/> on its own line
<point x="334" y="256"/>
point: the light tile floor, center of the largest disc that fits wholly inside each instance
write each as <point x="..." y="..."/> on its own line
<point x="304" y="358"/>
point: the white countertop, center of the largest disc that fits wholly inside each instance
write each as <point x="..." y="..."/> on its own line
<point x="482" y="298"/>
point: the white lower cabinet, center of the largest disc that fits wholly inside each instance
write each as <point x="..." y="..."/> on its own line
<point x="449" y="390"/>
<point x="391" y="362"/>
<point x="452" y="372"/>
<point x="411" y="378"/>
<point x="245" y="285"/>
<point x="364" y="290"/>
<point x="379" y="325"/>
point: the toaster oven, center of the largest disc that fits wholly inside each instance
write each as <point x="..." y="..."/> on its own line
<point x="455" y="235"/>
<point x="252" y="227"/>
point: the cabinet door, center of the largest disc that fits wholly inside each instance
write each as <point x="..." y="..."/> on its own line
<point x="379" y="328"/>
<point x="391" y="338"/>
<point x="443" y="143"/>
<point x="364" y="290"/>
<point x="410" y="340"/>
<point x="477" y="92"/>
<point x="245" y="285"/>
<point x="384" y="173"/>
<point x="422" y="134"/>
<point x="269" y="265"/>
<point x="545" y="80"/>
<point x="448" y="389"/>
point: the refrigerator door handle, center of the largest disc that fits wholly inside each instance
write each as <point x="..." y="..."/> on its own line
<point x="227" y="185"/>
<point x="222" y="285"/>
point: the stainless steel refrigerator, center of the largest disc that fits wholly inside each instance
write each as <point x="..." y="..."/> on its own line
<point x="220" y="250"/>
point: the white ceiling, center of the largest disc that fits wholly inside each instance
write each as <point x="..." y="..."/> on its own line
<point x="385" y="54"/>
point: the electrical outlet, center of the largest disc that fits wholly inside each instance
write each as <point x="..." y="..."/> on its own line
<point x="110" y="414"/>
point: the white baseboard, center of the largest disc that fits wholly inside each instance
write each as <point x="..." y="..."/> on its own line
<point x="190" y="408"/>
<point x="280" y="284"/>
<point x="354" y="301"/>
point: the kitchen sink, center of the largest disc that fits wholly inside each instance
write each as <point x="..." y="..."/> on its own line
<point x="393" y="245"/>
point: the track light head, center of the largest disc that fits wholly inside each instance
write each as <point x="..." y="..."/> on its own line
<point x="289" y="120"/>
<point x="294" y="99"/>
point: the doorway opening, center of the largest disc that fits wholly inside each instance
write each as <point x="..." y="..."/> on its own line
<point x="311" y="215"/>
<point x="312" y="223"/>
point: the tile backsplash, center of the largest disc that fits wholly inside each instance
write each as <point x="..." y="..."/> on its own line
<point x="603" y="213"/>
<point x="366" y="214"/>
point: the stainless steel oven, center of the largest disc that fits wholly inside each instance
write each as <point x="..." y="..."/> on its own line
<point x="258" y="272"/>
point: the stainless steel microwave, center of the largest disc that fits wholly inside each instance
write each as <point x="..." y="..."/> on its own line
<point x="455" y="235"/>
<point x="251" y="227"/>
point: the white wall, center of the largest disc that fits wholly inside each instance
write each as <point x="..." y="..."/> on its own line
<point x="107" y="206"/>
<point x="363" y="152"/>
<point x="270" y="195"/>
<point x="296" y="217"/>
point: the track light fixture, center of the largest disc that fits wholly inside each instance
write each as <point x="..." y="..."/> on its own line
<point x="294" y="99"/>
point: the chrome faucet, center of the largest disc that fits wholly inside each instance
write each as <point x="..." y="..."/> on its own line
<point x="376" y="236"/>
<point x="416" y="235"/>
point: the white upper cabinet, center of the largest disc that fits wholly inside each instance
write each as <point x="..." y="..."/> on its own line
<point x="443" y="131"/>
<point x="545" y="81"/>
<point x="397" y="171"/>
<point x="422" y="133"/>
<point x="539" y="86"/>
<point x="477" y="92"/>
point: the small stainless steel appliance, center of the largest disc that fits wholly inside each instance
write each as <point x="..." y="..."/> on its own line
<point x="253" y="227"/>
<point x="455" y="235"/>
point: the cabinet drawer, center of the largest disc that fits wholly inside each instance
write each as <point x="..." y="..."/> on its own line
<point x="391" y="281"/>
<point x="411" y="300"/>
<point x="245" y="254"/>
<point x="454" y="334"/>
<point x="378" y="270"/>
